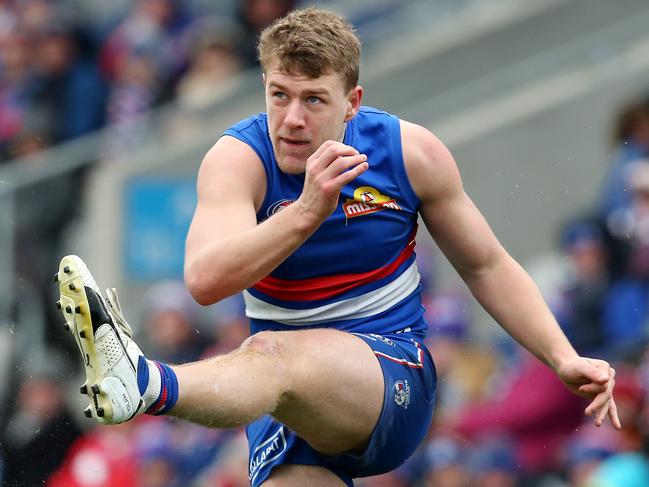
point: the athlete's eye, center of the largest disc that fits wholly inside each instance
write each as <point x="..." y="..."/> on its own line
<point x="312" y="100"/>
<point x="280" y="95"/>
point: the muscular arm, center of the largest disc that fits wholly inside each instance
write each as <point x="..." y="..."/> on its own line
<point x="497" y="281"/>
<point x="226" y="250"/>
<point x="501" y="286"/>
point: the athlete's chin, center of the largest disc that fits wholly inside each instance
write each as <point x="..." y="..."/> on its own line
<point x="291" y="164"/>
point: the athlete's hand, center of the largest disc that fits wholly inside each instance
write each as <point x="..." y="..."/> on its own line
<point x="332" y="166"/>
<point x="593" y="379"/>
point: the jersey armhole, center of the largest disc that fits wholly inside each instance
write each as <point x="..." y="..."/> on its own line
<point x="239" y="136"/>
<point x="399" y="168"/>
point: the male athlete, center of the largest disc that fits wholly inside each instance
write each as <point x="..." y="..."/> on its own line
<point x="310" y="209"/>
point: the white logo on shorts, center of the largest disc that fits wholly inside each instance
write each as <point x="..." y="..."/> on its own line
<point x="402" y="393"/>
<point x="265" y="453"/>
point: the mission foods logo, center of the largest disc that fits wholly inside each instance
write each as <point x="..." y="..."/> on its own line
<point x="368" y="200"/>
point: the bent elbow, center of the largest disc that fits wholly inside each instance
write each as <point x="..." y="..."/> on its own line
<point x="200" y="288"/>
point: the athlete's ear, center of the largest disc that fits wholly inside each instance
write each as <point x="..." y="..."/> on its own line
<point x="263" y="79"/>
<point x="354" y="99"/>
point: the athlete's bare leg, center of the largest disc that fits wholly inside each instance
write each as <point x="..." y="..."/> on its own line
<point x="301" y="475"/>
<point x="324" y="384"/>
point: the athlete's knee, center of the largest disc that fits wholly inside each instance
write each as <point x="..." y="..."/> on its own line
<point x="263" y="343"/>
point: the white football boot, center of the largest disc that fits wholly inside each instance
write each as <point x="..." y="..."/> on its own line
<point x="110" y="356"/>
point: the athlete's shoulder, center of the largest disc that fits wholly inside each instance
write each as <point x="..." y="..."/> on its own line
<point x="256" y="121"/>
<point x="428" y="162"/>
<point x="370" y="112"/>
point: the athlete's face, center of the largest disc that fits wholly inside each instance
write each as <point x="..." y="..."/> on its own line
<point x="304" y="112"/>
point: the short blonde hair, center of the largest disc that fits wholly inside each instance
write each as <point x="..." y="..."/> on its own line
<point x="312" y="42"/>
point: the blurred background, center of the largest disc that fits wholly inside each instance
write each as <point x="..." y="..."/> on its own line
<point x="106" y="109"/>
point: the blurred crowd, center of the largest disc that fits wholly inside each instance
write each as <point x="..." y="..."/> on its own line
<point x="503" y="419"/>
<point x="65" y="72"/>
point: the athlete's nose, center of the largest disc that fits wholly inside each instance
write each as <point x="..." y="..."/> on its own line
<point x="294" y="118"/>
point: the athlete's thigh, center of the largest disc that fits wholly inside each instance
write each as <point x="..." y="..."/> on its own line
<point x="337" y="389"/>
<point x="302" y="475"/>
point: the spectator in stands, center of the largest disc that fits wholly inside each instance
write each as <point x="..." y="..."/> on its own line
<point x="142" y="58"/>
<point x="448" y="462"/>
<point x="101" y="458"/>
<point x="50" y="87"/>
<point x="463" y="368"/>
<point x="627" y="304"/>
<point x="159" y="29"/>
<point x="579" y="301"/>
<point x="40" y="429"/>
<point x="68" y="89"/>
<point x="213" y="63"/>
<point x="14" y="85"/>
<point x="536" y="413"/>
<point x="230" y="468"/>
<point x="173" y="453"/>
<point x="631" y="140"/>
<point x="586" y="449"/>
<point x="494" y="465"/>
<point x="211" y="75"/>
<point x="172" y="323"/>
<point x="255" y="16"/>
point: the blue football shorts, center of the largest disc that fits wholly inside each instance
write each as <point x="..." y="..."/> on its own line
<point x="408" y="402"/>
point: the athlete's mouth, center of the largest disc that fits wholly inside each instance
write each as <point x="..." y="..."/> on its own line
<point x="293" y="142"/>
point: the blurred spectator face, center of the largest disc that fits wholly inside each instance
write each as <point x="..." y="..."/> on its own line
<point x="638" y="181"/>
<point x="13" y="57"/>
<point x="583" y="244"/>
<point x="587" y="449"/>
<point x="589" y="260"/>
<point x="217" y="59"/>
<point x="169" y="330"/>
<point x="493" y="462"/>
<point x="448" y="463"/>
<point x="449" y="476"/>
<point x="448" y="320"/>
<point x="40" y="397"/>
<point x="159" y="11"/>
<point x="260" y="13"/>
<point x="156" y="472"/>
<point x="54" y="53"/>
<point x="640" y="131"/>
<point x="633" y="124"/>
<point x="137" y="70"/>
<point x="496" y="478"/>
<point x="35" y="15"/>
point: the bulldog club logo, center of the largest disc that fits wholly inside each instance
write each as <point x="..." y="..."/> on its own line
<point x="277" y="207"/>
<point x="368" y="200"/>
<point x="402" y="393"/>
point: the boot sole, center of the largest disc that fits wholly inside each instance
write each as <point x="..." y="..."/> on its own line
<point x="76" y="310"/>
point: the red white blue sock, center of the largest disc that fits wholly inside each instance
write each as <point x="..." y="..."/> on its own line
<point x="158" y="386"/>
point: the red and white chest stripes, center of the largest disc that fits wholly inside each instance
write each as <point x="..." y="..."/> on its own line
<point x="329" y="288"/>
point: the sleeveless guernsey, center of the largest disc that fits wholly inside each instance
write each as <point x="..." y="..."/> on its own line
<point x="357" y="272"/>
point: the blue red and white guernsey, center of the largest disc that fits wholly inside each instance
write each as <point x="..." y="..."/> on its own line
<point x="357" y="272"/>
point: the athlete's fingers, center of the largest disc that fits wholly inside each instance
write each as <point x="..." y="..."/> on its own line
<point x="348" y="176"/>
<point x="592" y="388"/>
<point x="612" y="414"/>
<point x="331" y="153"/>
<point x="602" y="399"/>
<point x="342" y="164"/>
<point x="602" y="413"/>
<point x="322" y="148"/>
